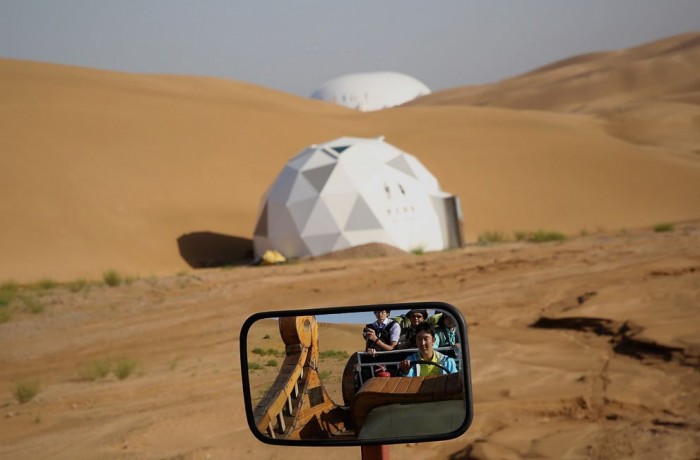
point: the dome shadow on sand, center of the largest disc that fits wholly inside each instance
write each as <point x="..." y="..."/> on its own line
<point x="208" y="249"/>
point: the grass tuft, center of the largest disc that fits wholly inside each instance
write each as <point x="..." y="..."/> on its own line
<point x="95" y="370"/>
<point x="8" y="291"/>
<point x="492" y="236"/>
<point x="46" y="284"/>
<point x="112" y="278"/>
<point x="271" y="362"/>
<point x="124" y="367"/>
<point x="77" y="285"/>
<point x="660" y="228"/>
<point x="26" y="390"/>
<point x="539" y="236"/>
<point x="174" y="362"/>
<point x="254" y="366"/>
<point x="335" y="354"/>
<point x="269" y="351"/>
<point x="32" y="305"/>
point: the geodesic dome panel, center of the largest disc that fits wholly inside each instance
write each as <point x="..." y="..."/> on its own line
<point x="371" y="90"/>
<point x="349" y="192"/>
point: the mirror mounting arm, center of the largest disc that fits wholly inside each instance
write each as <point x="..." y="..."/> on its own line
<point x="377" y="452"/>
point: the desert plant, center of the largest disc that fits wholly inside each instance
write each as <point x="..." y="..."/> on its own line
<point x="659" y="228"/>
<point x="418" y="251"/>
<point x="492" y="236"/>
<point x="174" y="362"/>
<point x="77" y="285"/>
<point x="32" y="305"/>
<point x="539" y="236"/>
<point x="124" y="367"/>
<point x="271" y="362"/>
<point x="129" y="280"/>
<point x="46" y="284"/>
<point x="112" y="278"/>
<point x="267" y="337"/>
<point x="6" y="298"/>
<point x="269" y="351"/>
<point x="254" y="366"/>
<point x="98" y="369"/>
<point x="8" y="291"/>
<point x="333" y="354"/>
<point x="26" y="390"/>
<point x="324" y="374"/>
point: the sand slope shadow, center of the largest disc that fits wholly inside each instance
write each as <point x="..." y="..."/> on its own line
<point x="208" y="249"/>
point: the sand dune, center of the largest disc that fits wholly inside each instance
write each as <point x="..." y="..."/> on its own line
<point x="647" y="94"/>
<point x="107" y="170"/>
<point x="594" y="83"/>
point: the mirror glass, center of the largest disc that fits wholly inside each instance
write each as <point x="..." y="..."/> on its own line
<point x="348" y="375"/>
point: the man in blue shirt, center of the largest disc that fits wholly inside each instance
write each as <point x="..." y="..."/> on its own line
<point x="425" y="340"/>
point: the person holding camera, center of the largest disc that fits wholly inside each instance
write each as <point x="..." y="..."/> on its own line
<point x="381" y="335"/>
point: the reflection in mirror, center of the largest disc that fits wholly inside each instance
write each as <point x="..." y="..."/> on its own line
<point x="358" y="375"/>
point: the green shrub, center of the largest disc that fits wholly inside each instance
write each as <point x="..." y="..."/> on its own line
<point x="659" y="228"/>
<point x="95" y="370"/>
<point x="539" y="236"/>
<point x="271" y="362"/>
<point x="124" y="367"/>
<point x="112" y="278"/>
<point x="324" y="374"/>
<point x="32" y="305"/>
<point x="26" y="390"/>
<point x="492" y="236"/>
<point x="46" y="284"/>
<point x="269" y="351"/>
<point x="6" y="298"/>
<point x="333" y="354"/>
<point x="8" y="291"/>
<point x="174" y="362"/>
<point x="129" y="280"/>
<point x="77" y="285"/>
<point x="254" y="366"/>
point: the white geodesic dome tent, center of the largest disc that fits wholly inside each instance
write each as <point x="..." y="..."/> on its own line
<point x="353" y="191"/>
<point x="371" y="90"/>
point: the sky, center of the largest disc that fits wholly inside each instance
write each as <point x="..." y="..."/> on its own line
<point x="296" y="46"/>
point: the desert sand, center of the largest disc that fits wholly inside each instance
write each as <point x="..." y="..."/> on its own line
<point x="584" y="348"/>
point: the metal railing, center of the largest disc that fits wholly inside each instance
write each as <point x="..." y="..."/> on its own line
<point x="406" y="351"/>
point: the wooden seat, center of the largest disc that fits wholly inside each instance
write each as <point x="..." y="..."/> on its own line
<point x="380" y="391"/>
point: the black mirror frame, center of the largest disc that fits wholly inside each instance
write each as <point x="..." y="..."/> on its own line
<point x="469" y="408"/>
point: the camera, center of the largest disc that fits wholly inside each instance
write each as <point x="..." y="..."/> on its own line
<point x="368" y="327"/>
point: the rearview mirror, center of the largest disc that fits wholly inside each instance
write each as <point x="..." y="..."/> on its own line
<point x="357" y="376"/>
